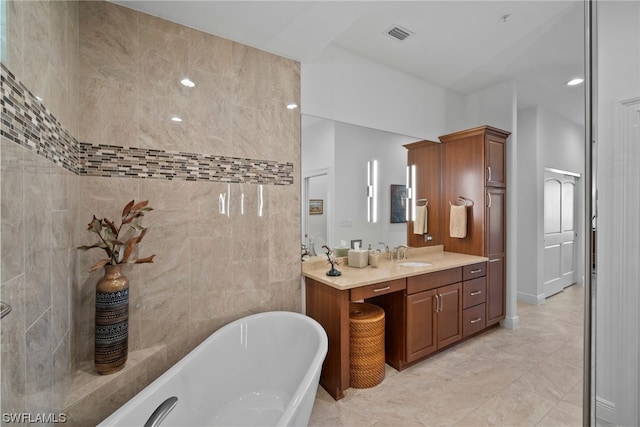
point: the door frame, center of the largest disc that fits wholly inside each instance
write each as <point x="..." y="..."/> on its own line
<point x="328" y="204"/>
<point x="579" y="242"/>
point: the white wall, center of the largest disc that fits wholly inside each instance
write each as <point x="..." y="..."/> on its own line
<point x="317" y="224"/>
<point x="527" y="248"/>
<point x="493" y="106"/>
<point x="317" y="154"/>
<point x="344" y="87"/>
<point x="618" y="248"/>
<point x="545" y="139"/>
<point x="318" y="140"/>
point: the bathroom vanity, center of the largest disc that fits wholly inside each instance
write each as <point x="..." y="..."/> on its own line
<point x="431" y="301"/>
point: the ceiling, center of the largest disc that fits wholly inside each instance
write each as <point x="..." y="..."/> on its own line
<point x="464" y="46"/>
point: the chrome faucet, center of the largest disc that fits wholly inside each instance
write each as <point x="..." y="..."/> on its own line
<point x="161" y="412"/>
<point x="402" y="249"/>
<point x="386" y="250"/>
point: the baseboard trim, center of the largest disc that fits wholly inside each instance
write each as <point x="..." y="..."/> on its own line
<point x="531" y="299"/>
<point x="511" y="322"/>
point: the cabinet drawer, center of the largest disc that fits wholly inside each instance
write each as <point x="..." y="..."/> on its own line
<point x="473" y="320"/>
<point x="378" y="289"/>
<point x="474" y="292"/>
<point x="474" y="270"/>
<point x="424" y="282"/>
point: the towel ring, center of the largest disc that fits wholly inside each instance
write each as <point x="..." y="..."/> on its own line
<point x="464" y="200"/>
<point x="426" y="202"/>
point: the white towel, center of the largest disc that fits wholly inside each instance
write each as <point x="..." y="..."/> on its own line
<point x="420" y="222"/>
<point x="458" y="221"/>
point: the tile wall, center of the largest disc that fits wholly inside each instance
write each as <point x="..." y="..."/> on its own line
<point x="211" y="267"/>
<point x="223" y="183"/>
<point x="39" y="199"/>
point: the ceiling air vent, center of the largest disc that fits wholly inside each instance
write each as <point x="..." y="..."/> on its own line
<point x="398" y="32"/>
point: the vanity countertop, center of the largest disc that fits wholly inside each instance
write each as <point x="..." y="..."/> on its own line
<point x="353" y="277"/>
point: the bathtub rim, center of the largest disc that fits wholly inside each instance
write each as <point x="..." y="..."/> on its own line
<point x="315" y="366"/>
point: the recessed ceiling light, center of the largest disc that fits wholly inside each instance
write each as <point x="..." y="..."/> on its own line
<point x="575" y="81"/>
<point x="186" y="82"/>
<point x="176" y="119"/>
<point x="292" y="106"/>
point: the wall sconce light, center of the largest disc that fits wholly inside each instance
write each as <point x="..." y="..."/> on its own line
<point x="411" y="191"/>
<point x="372" y="191"/>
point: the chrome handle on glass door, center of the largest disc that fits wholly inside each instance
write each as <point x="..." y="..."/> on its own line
<point x="4" y="309"/>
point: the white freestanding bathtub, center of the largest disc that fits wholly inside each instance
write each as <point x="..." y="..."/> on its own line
<point x="261" y="370"/>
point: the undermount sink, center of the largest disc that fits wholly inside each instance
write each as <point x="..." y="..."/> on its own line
<point x="415" y="264"/>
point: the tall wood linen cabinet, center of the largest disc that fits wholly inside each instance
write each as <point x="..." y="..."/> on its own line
<point x="474" y="168"/>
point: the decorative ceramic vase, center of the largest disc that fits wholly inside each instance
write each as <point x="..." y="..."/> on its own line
<point x="112" y="321"/>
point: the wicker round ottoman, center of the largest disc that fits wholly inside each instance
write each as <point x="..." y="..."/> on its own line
<point x="366" y="345"/>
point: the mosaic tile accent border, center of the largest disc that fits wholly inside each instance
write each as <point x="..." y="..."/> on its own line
<point x="111" y="160"/>
<point x="26" y="121"/>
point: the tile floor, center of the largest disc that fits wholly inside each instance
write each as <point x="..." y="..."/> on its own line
<point x="531" y="376"/>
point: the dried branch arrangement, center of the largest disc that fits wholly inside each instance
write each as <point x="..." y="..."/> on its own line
<point x="119" y="250"/>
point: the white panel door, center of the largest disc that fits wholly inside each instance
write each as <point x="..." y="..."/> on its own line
<point x="559" y="232"/>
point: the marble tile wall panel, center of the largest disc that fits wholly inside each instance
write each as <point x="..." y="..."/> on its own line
<point x="27" y="121"/>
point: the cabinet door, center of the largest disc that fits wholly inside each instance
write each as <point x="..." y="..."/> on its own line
<point x="495" y="161"/>
<point x="496" y="251"/>
<point x="421" y="325"/>
<point x="449" y="319"/>
<point x="495" y="290"/>
<point x="495" y="222"/>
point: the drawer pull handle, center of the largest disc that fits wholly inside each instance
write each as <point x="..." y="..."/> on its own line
<point x="382" y="289"/>
<point x="476" y="320"/>
<point x="478" y="270"/>
<point x="473" y="294"/>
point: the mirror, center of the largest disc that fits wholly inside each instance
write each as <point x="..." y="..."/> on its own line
<point x="335" y="155"/>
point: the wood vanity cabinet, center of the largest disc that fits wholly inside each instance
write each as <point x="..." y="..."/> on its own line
<point x="434" y="312"/>
<point x="423" y="314"/>
<point x="474" y="297"/>
<point x="474" y="167"/>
